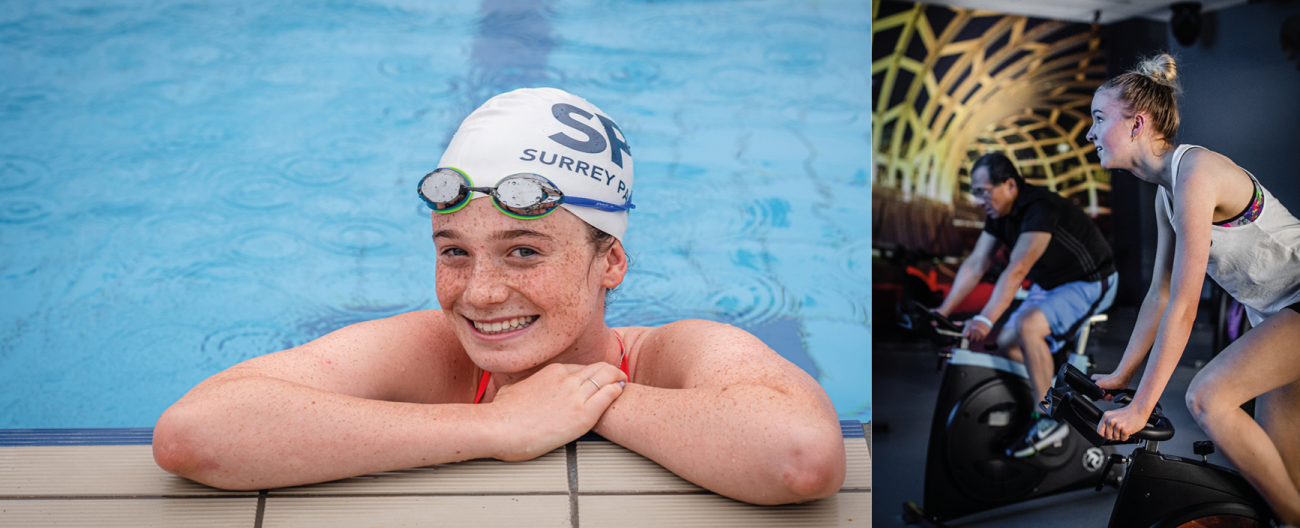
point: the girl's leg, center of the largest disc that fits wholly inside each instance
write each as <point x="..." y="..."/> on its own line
<point x="1265" y="361"/>
<point x="1278" y="412"/>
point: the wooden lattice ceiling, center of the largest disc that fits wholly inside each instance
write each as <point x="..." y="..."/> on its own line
<point x="951" y="84"/>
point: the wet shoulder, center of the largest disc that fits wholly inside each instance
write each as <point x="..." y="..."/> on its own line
<point x="422" y="329"/>
<point x="434" y="365"/>
<point x="675" y="354"/>
<point x="686" y="334"/>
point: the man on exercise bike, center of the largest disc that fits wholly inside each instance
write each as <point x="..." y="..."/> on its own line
<point x="1056" y="246"/>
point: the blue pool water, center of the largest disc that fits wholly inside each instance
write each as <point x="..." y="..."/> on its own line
<point x="185" y="185"/>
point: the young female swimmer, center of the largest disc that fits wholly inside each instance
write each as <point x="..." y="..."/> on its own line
<point x="1212" y="217"/>
<point x="519" y="360"/>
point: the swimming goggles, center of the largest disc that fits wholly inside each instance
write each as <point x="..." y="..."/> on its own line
<point x="524" y="195"/>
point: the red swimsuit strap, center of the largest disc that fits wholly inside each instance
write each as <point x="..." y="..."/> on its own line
<point x="622" y="365"/>
<point x="482" y="386"/>
<point x="622" y="353"/>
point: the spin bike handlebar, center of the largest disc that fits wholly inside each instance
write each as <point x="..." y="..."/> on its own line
<point x="917" y="317"/>
<point x="1071" y="400"/>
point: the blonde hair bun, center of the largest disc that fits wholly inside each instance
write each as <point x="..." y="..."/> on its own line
<point x="1151" y="87"/>
<point x="1161" y="69"/>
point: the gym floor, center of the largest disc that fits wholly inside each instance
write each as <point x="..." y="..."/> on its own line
<point x="906" y="386"/>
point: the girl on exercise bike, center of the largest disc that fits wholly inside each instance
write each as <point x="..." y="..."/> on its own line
<point x="1212" y="217"/>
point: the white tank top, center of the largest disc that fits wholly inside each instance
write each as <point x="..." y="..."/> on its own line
<point x="1257" y="263"/>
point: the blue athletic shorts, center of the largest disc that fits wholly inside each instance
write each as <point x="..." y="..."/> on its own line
<point x="1067" y="307"/>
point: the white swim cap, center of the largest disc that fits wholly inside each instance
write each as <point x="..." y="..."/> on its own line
<point x="552" y="133"/>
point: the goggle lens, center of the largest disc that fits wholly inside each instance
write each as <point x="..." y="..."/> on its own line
<point x="445" y="190"/>
<point x="527" y="196"/>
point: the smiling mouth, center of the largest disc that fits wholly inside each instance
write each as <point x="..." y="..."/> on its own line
<point x="501" y="327"/>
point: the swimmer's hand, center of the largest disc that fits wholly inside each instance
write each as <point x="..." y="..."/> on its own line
<point x="1113" y="381"/>
<point x="553" y="407"/>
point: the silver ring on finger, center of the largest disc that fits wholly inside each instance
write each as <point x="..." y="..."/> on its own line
<point x="593" y="382"/>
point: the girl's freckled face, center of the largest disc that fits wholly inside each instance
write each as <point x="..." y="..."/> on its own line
<point x="518" y="292"/>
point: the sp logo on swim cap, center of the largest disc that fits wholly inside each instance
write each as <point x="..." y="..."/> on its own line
<point x="595" y="142"/>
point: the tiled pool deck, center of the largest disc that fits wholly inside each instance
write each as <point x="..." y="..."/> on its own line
<point x="107" y="477"/>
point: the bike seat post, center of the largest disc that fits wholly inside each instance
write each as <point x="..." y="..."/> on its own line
<point x="1082" y="346"/>
<point x="1079" y="357"/>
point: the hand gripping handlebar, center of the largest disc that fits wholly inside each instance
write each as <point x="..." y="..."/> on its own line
<point x="1071" y="401"/>
<point x="917" y="317"/>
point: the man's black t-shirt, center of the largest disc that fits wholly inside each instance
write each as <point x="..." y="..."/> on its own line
<point x="1077" y="251"/>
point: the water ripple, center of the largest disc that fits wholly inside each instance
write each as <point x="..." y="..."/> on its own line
<point x="511" y="77"/>
<point x="361" y="236"/>
<point x="822" y="112"/>
<point x="27" y="99"/>
<point x="180" y="286"/>
<point x="795" y="56"/>
<point x="25" y="210"/>
<point x="152" y="347"/>
<point x="201" y="54"/>
<point x="731" y="217"/>
<point x="181" y="230"/>
<point x="266" y="246"/>
<point x="282" y="73"/>
<point x="652" y="298"/>
<point x="701" y="29"/>
<point x="188" y="91"/>
<point x="422" y="73"/>
<point x="740" y="297"/>
<point x="333" y="205"/>
<point x="363" y="103"/>
<point x="376" y="291"/>
<point x="140" y="115"/>
<point x="358" y="149"/>
<point x="736" y="220"/>
<point x="243" y="341"/>
<point x="853" y="261"/>
<point x="750" y="299"/>
<point x="793" y="29"/>
<point x="200" y="131"/>
<point x="263" y="192"/>
<point x="17" y="173"/>
<point x="145" y="166"/>
<point x="632" y="76"/>
<point x="321" y="172"/>
<point x="733" y="81"/>
<point x="765" y="213"/>
<point x="21" y="266"/>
